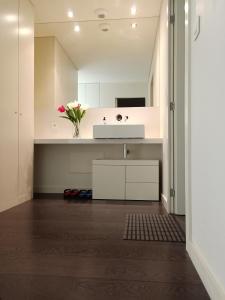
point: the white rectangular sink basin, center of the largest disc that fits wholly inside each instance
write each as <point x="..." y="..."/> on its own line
<point x="119" y="131"/>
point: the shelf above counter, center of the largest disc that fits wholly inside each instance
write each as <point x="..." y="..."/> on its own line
<point x="81" y="141"/>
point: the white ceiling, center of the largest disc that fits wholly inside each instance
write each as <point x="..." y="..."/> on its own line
<point x="56" y="10"/>
<point x="122" y="54"/>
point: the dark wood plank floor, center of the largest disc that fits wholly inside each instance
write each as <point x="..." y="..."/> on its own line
<point x="54" y="249"/>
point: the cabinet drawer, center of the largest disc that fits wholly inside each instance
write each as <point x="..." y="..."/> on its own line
<point x="142" y="174"/>
<point x="142" y="191"/>
<point x="108" y="182"/>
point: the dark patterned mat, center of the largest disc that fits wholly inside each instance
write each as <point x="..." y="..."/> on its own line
<point x="148" y="227"/>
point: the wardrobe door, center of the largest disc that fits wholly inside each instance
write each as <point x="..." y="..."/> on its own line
<point x="9" y="103"/>
<point x="26" y="100"/>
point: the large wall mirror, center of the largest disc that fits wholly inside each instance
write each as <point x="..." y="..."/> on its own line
<point x="113" y="56"/>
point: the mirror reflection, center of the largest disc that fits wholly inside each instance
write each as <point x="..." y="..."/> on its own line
<point x="113" y="59"/>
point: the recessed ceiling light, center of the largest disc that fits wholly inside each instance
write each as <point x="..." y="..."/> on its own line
<point x="134" y="25"/>
<point x="101" y="13"/>
<point x="186" y="8"/>
<point x="77" y="28"/>
<point x="104" y="27"/>
<point x="70" y="14"/>
<point x="133" y="10"/>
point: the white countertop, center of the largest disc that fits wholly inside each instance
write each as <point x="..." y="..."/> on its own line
<point x="80" y="141"/>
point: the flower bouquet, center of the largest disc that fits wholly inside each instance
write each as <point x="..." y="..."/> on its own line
<point x="74" y="113"/>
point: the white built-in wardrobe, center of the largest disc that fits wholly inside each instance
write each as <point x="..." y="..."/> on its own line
<point x="16" y="102"/>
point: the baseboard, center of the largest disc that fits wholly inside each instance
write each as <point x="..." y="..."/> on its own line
<point x="213" y="286"/>
<point x="165" y="202"/>
<point x="19" y="201"/>
<point x="25" y="197"/>
<point x="56" y="189"/>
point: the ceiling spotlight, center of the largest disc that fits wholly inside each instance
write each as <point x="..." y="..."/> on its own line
<point x="101" y="13"/>
<point x="77" y="28"/>
<point x="70" y="14"/>
<point x="134" y="25"/>
<point x="104" y="27"/>
<point x="133" y="10"/>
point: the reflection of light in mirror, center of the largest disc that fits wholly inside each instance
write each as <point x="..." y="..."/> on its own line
<point x="70" y="14"/>
<point x="133" y="10"/>
<point x="11" y="18"/>
<point x="186" y="9"/>
<point x="25" y="31"/>
<point x="77" y="28"/>
<point x="104" y="27"/>
<point x="167" y="13"/>
<point x="134" y="25"/>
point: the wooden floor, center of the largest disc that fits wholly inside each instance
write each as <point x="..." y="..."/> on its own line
<point x="54" y="249"/>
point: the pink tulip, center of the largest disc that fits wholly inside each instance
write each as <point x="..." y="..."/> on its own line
<point x="61" y="109"/>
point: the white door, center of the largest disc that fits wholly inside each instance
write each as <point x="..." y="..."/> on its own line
<point x="26" y="102"/>
<point x="9" y="103"/>
<point x="177" y="129"/>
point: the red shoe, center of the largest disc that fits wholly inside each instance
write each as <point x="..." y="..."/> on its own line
<point x="74" y="193"/>
<point x="67" y="193"/>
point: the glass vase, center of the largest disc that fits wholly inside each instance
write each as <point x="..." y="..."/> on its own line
<point x="76" y="133"/>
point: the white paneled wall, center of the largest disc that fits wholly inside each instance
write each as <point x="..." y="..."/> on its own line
<point x="104" y="94"/>
<point x="26" y="103"/>
<point x="16" y="92"/>
<point x="9" y="104"/>
<point x="160" y="93"/>
<point x="55" y="85"/>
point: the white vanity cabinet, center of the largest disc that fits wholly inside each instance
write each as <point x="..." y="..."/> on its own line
<point x="126" y="179"/>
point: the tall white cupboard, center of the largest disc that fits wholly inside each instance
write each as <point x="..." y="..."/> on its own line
<point x="17" y="102"/>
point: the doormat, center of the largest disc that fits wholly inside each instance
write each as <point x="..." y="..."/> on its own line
<point x="149" y="227"/>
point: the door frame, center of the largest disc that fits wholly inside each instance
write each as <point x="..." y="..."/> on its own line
<point x="188" y="190"/>
<point x="187" y="109"/>
<point x="177" y="106"/>
<point x="170" y="106"/>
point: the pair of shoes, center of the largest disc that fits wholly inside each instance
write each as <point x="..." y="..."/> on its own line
<point x="89" y="194"/>
<point x="71" y="193"/>
<point x="85" y="194"/>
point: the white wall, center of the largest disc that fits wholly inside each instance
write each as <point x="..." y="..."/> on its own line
<point x="149" y="116"/>
<point x="155" y="74"/>
<point x="138" y="115"/>
<point x="208" y="143"/>
<point x="104" y="94"/>
<point x="66" y="77"/>
<point x="16" y="92"/>
<point x="56" y="82"/>
<point x="160" y="71"/>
